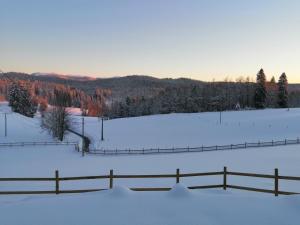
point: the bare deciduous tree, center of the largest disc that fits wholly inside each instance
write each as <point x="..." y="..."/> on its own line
<point x="57" y="121"/>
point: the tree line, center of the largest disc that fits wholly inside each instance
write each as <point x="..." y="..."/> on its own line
<point x="244" y="93"/>
<point x="211" y="96"/>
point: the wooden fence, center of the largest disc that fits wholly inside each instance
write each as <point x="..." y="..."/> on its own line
<point x="177" y="176"/>
<point x="37" y="143"/>
<point x="193" y="149"/>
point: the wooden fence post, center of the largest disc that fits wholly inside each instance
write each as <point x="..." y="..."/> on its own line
<point x="111" y="177"/>
<point x="225" y="178"/>
<point x="56" y="182"/>
<point x="276" y="183"/>
<point x="177" y="176"/>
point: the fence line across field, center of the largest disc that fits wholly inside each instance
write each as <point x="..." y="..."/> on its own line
<point x="193" y="149"/>
<point x="177" y="176"/>
<point x="38" y="143"/>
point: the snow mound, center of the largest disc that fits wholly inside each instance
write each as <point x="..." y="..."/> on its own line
<point x="179" y="190"/>
<point x="120" y="191"/>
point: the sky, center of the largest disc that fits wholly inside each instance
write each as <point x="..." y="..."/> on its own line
<point x="198" y="39"/>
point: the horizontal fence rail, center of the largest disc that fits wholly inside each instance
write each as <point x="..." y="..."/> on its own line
<point x="177" y="176"/>
<point x="37" y="143"/>
<point x="192" y="149"/>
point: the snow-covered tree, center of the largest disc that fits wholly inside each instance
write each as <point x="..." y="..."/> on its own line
<point x="283" y="91"/>
<point x="260" y="91"/>
<point x="21" y="101"/>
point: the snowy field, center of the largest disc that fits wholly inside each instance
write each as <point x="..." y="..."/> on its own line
<point x="194" y="130"/>
<point x="179" y="206"/>
<point x="166" y="131"/>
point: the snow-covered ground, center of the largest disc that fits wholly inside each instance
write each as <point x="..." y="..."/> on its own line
<point x="43" y="161"/>
<point x="121" y="206"/>
<point x="166" y="131"/>
<point x="20" y="128"/>
<point x="194" y="130"/>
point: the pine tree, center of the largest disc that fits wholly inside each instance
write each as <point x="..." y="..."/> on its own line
<point x="273" y="80"/>
<point x="20" y="100"/>
<point x="261" y="91"/>
<point x="14" y="97"/>
<point x="282" y="91"/>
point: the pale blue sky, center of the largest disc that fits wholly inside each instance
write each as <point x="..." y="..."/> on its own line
<point x="200" y="39"/>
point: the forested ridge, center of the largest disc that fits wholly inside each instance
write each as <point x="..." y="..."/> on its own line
<point x="144" y="95"/>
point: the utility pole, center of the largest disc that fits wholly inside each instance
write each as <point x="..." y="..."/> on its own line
<point x="220" y="107"/>
<point x="5" y="125"/>
<point x="83" y="141"/>
<point x="102" y="138"/>
<point x="82" y="126"/>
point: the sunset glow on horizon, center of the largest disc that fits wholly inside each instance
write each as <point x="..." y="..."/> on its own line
<point x="197" y="39"/>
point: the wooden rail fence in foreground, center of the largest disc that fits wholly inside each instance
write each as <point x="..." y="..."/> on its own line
<point x="177" y="176"/>
<point x="193" y="149"/>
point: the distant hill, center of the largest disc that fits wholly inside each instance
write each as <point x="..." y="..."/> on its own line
<point x="66" y="77"/>
<point x="132" y="85"/>
<point x="120" y="86"/>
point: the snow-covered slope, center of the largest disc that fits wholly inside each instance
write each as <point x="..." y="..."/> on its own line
<point x="20" y="128"/>
<point x="194" y="130"/>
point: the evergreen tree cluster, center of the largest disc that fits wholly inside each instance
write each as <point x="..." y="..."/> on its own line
<point x="21" y="101"/>
<point x="271" y="94"/>
<point x="43" y="93"/>
<point x="214" y="96"/>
